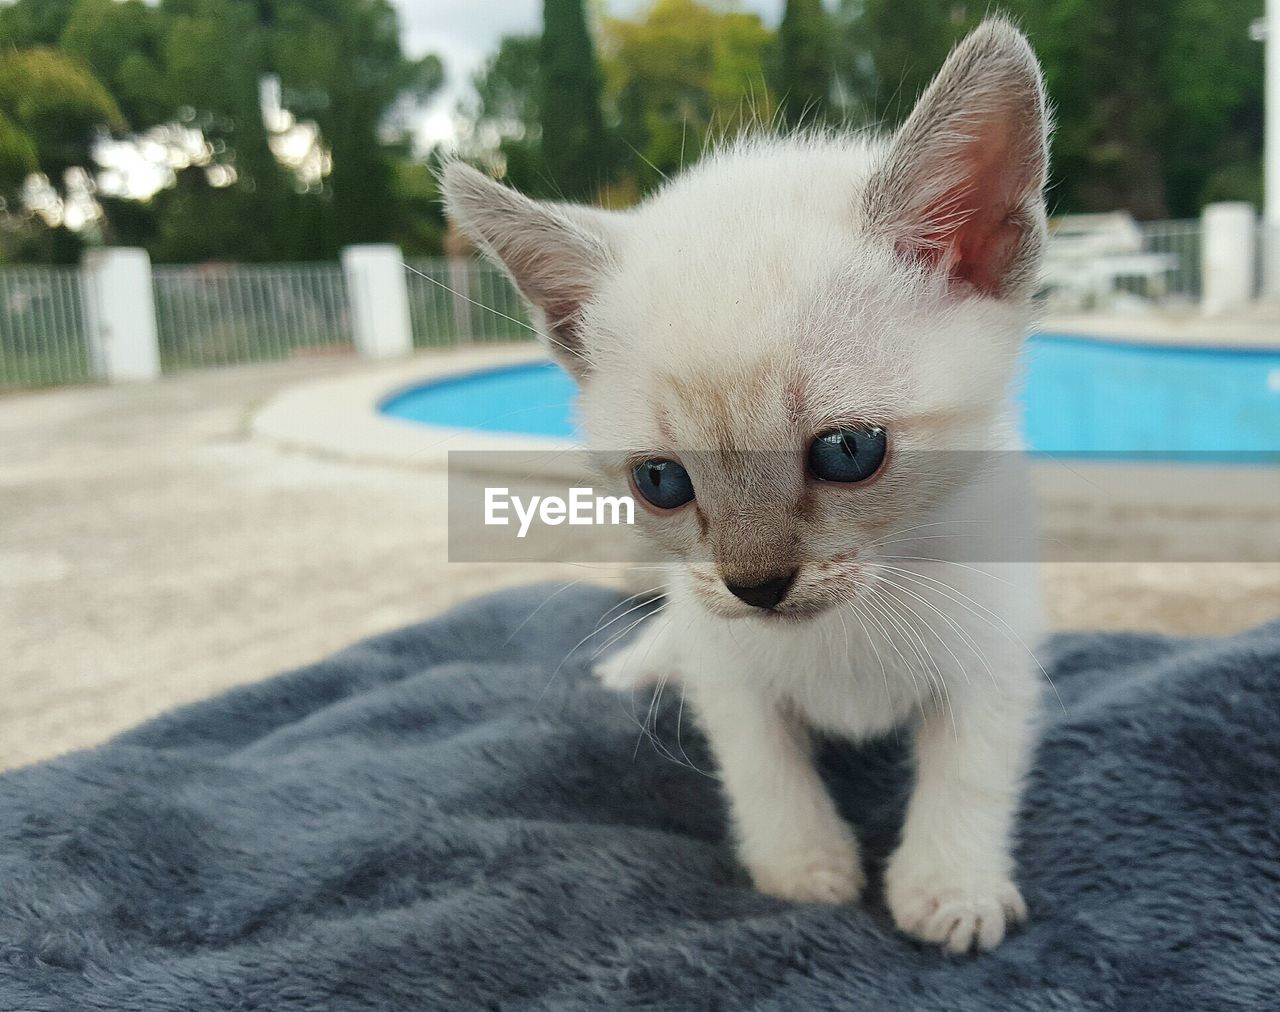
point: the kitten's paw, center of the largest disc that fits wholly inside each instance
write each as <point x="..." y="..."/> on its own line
<point x="831" y="874"/>
<point x="957" y="917"/>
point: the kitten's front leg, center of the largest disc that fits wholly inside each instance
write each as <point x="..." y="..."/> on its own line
<point x="950" y="881"/>
<point x="789" y="835"/>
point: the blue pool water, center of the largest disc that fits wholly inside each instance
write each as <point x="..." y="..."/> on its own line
<point x="1080" y="397"/>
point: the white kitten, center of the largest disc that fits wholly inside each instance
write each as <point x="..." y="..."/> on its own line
<point x="799" y="355"/>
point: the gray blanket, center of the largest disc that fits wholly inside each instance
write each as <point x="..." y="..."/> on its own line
<point x="455" y="816"/>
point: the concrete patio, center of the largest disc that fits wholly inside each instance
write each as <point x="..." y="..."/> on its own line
<point x="154" y="550"/>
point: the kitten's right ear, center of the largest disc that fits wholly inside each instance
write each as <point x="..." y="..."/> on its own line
<point x="556" y="254"/>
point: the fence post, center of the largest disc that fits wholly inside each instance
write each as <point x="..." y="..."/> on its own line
<point x="1269" y="237"/>
<point x="379" y="296"/>
<point x="120" y="314"/>
<point x="1227" y="257"/>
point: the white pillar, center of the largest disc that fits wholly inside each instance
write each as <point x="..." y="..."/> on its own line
<point x="1271" y="159"/>
<point x="1227" y="257"/>
<point x="120" y="314"/>
<point x="379" y="296"/>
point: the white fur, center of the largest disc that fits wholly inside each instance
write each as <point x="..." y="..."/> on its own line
<point x="776" y="289"/>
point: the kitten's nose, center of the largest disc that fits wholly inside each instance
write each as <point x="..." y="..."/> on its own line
<point x="763" y="595"/>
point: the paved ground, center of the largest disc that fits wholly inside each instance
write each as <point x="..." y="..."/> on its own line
<point x="1257" y="326"/>
<point x="152" y="553"/>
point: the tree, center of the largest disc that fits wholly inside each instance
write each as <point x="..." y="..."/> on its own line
<point x="420" y="226"/>
<point x="573" y="136"/>
<point x="121" y="42"/>
<point x="1155" y="102"/>
<point x="51" y="111"/>
<point x="1157" y="105"/>
<point x="681" y="76"/>
<point x="889" y="51"/>
<point x="215" y="54"/>
<point x="57" y="104"/>
<point x="201" y="64"/>
<point x="30" y="23"/>
<point x="506" y="117"/>
<point x="341" y="65"/>
<point x="802" y="69"/>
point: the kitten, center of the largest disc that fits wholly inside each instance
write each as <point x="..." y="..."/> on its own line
<point x="799" y="356"/>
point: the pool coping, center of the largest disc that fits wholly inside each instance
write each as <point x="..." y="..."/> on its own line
<point x="341" y="418"/>
<point x="1257" y="330"/>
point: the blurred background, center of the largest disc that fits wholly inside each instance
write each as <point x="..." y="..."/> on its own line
<point x="227" y="291"/>
<point x="283" y="130"/>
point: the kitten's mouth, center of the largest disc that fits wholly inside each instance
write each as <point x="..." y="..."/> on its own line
<point x="773" y="616"/>
<point x="786" y="613"/>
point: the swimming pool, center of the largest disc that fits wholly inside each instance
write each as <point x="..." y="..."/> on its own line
<point x="1081" y="397"/>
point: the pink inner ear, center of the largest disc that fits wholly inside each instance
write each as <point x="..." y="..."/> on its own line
<point x="971" y="228"/>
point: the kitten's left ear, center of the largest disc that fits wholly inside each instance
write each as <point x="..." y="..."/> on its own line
<point x="962" y="187"/>
<point x="556" y="254"/>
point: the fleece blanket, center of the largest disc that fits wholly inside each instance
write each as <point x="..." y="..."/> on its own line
<point x="455" y="816"/>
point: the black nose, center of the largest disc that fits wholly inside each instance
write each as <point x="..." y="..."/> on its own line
<point x="763" y="595"/>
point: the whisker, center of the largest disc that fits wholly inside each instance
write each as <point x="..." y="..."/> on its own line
<point x="884" y="672"/>
<point x="945" y="562"/>
<point x="545" y="601"/>
<point x="594" y="632"/>
<point x="969" y="640"/>
<point x="1008" y="631"/>
<point x="870" y="601"/>
<point x="920" y="527"/>
<point x="929" y="666"/>
<point x="616" y="638"/>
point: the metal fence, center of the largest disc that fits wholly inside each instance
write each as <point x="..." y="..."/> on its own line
<point x="1110" y="262"/>
<point x="223" y="314"/>
<point x="463" y="301"/>
<point x="42" y="333"/>
<point x="1179" y="243"/>
<point x="230" y="314"/>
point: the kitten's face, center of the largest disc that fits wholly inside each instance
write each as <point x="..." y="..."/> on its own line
<point x="772" y="349"/>
<point x="802" y="377"/>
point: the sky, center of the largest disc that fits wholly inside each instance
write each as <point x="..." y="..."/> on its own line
<point x="464" y="32"/>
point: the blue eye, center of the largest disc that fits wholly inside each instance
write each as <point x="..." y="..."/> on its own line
<point x="847" y="455"/>
<point x="664" y="483"/>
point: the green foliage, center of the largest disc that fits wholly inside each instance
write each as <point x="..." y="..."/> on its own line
<point x="506" y="116"/>
<point x="51" y="107"/>
<point x="214" y="54"/>
<point x="1158" y="105"/>
<point x="889" y="51"/>
<point x="30" y="23"/>
<point x="803" y="73"/>
<point x="683" y="75"/>
<point x="121" y="43"/>
<point x="18" y="155"/>
<point x="201" y="63"/>
<point x="573" y="138"/>
<point x="420" y="228"/>
<point x="509" y="89"/>
<point x="341" y="65"/>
